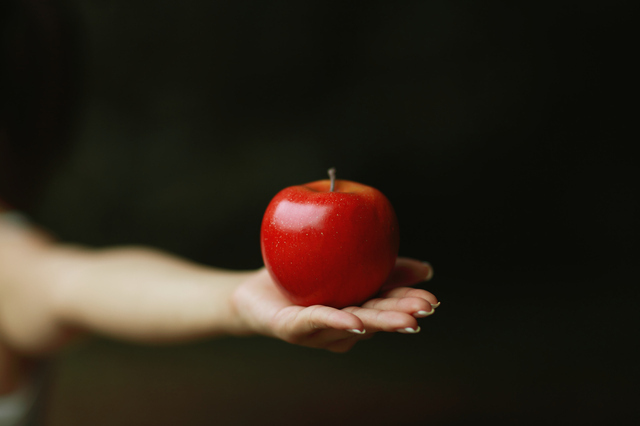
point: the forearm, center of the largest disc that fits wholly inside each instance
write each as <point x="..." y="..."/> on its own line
<point x="50" y="291"/>
<point x="143" y="295"/>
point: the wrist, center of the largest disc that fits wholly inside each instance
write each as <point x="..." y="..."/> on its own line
<point x="239" y="324"/>
<point x="254" y="305"/>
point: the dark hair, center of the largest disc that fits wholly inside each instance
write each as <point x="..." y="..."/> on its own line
<point x="36" y="87"/>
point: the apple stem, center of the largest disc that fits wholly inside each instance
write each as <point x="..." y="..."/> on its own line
<point x="332" y="176"/>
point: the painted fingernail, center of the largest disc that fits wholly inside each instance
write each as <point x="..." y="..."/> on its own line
<point x="409" y="330"/>
<point x="430" y="273"/>
<point x="435" y="306"/>
<point x="356" y="331"/>
<point x="423" y="314"/>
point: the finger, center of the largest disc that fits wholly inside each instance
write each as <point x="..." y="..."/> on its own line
<point x="380" y="320"/>
<point x="408" y="272"/>
<point x="299" y="323"/>
<point x="324" y="317"/>
<point x="415" y="306"/>
<point x="401" y="292"/>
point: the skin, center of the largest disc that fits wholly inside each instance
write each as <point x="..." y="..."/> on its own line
<point x="52" y="293"/>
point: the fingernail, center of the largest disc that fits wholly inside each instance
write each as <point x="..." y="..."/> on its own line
<point x="409" y="330"/>
<point x="435" y="306"/>
<point x="430" y="273"/>
<point x="423" y="314"/>
<point x="356" y="331"/>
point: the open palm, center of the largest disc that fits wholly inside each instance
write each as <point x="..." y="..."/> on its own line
<point x="266" y="310"/>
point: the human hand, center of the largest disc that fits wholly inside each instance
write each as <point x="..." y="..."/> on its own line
<point x="266" y="310"/>
<point x="51" y="293"/>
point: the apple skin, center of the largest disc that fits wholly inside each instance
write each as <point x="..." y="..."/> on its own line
<point x="330" y="248"/>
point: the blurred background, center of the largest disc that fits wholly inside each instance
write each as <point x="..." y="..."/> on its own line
<point x="500" y="131"/>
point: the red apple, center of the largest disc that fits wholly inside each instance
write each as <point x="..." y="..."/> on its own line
<point x="330" y="242"/>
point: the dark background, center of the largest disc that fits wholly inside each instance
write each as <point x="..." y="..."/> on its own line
<point x="500" y="131"/>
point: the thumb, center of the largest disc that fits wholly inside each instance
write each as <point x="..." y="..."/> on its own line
<point x="408" y="272"/>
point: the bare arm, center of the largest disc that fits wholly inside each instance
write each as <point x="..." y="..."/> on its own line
<point x="50" y="293"/>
